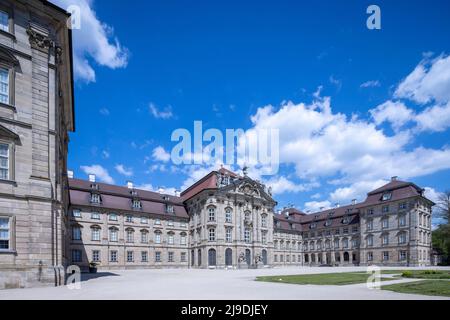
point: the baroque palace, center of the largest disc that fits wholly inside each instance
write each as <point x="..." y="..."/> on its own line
<point x="228" y="221"/>
<point x="49" y="220"/>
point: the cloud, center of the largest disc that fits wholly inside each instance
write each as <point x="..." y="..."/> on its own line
<point x="120" y="168"/>
<point x="370" y="84"/>
<point x="100" y="173"/>
<point x="282" y="185"/>
<point x="432" y="194"/>
<point x="160" y="114"/>
<point x="315" y="206"/>
<point x="104" y="111"/>
<point x="336" y="82"/>
<point x="160" y="154"/>
<point x="105" y="154"/>
<point x="93" y="43"/>
<point x="430" y="81"/>
<point x="357" y="190"/>
<point x="395" y="113"/>
<point x="434" y="119"/>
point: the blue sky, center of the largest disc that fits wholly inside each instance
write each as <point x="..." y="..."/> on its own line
<point x="354" y="106"/>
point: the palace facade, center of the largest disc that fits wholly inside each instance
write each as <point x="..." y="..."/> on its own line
<point x="36" y="113"/>
<point x="228" y="221"/>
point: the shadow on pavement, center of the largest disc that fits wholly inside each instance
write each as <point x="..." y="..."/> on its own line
<point x="90" y="276"/>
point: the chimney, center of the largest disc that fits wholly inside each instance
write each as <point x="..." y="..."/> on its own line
<point x="70" y="174"/>
<point x="337" y="205"/>
<point x="353" y="201"/>
<point x="91" y="177"/>
<point x="177" y="193"/>
<point x="130" y="185"/>
<point x="394" y="178"/>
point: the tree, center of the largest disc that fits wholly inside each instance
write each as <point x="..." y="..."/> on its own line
<point x="443" y="206"/>
<point x="441" y="242"/>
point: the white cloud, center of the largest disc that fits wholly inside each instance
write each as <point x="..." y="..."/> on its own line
<point x="336" y="82"/>
<point x="394" y="112"/>
<point x="434" y="119"/>
<point x="104" y="111"/>
<point x="94" y="42"/>
<point x="160" y="114"/>
<point x="120" y="168"/>
<point x="430" y="81"/>
<point x="105" y="154"/>
<point x="160" y="154"/>
<point x="432" y="194"/>
<point x="370" y="84"/>
<point x="357" y="190"/>
<point x="315" y="206"/>
<point x="282" y="185"/>
<point x="100" y="173"/>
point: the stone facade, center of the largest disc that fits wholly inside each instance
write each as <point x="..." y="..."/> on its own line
<point x="36" y="113"/>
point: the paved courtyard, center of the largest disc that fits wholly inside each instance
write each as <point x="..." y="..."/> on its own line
<point x="187" y="284"/>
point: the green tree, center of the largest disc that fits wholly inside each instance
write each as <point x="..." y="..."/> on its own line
<point x="443" y="206"/>
<point x="441" y="242"/>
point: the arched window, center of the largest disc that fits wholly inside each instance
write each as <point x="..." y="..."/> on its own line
<point x="228" y="257"/>
<point x="170" y="237"/>
<point x="113" y="234"/>
<point x="130" y="234"/>
<point x="157" y="236"/>
<point x="211" y="257"/>
<point x="144" y="236"/>
<point x="183" y="237"/>
<point x="211" y="213"/>
<point x="95" y="233"/>
<point x="228" y="215"/>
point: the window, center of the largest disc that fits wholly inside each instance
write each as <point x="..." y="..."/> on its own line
<point x="337" y="231"/>
<point x="144" y="220"/>
<point x="183" y="257"/>
<point x="113" y="256"/>
<point x="402" y="206"/>
<point x="370" y="211"/>
<point x="385" y="255"/>
<point x="247" y="235"/>
<point x="136" y="204"/>
<point x="402" y="255"/>
<point x="387" y="196"/>
<point x="4" y="233"/>
<point x="183" y="238"/>
<point x="130" y="235"/>
<point x="370" y="225"/>
<point x="170" y="223"/>
<point x="385" y="239"/>
<point x="370" y="240"/>
<point x="228" y="215"/>
<point x="129" y="218"/>
<point x="76" y="213"/>
<point x="345" y="231"/>
<point x="345" y="243"/>
<point x="264" y="237"/>
<point x="158" y="237"/>
<point x="76" y="255"/>
<point x="76" y="233"/>
<point x="4" y="21"/>
<point x="170" y="257"/>
<point x="355" y="243"/>
<point x="264" y="221"/>
<point x="402" y="238"/>
<point x="385" y="223"/>
<point x="211" y="214"/>
<point x="95" y="255"/>
<point x="144" y="236"/>
<point x="112" y="217"/>
<point x="157" y="256"/>
<point x="336" y="243"/>
<point x="95" y="198"/>
<point x="95" y="233"/>
<point x="130" y="256"/>
<point x="369" y="256"/>
<point x="212" y="234"/>
<point x="402" y="221"/>
<point x="158" y="221"/>
<point x="313" y="226"/>
<point x="385" y="209"/>
<point x="113" y="235"/>
<point x="170" y="238"/>
<point x="169" y="208"/>
<point x="275" y="258"/>
<point x="95" y="215"/>
<point x="4" y="159"/>
<point x="144" y="256"/>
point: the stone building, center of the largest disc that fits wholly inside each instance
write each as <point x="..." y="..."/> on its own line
<point x="225" y="220"/>
<point x="36" y="113"/>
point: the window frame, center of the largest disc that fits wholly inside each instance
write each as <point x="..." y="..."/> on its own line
<point x="11" y="234"/>
<point x="10" y="143"/>
<point x="9" y="11"/>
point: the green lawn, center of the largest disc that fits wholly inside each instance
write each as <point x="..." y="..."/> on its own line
<point x="420" y="274"/>
<point x="320" y="279"/>
<point x="425" y="287"/>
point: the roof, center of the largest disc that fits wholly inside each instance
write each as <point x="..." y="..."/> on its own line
<point x="119" y="198"/>
<point x="395" y="184"/>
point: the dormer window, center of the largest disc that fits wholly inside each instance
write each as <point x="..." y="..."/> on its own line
<point x="167" y="198"/>
<point x="345" y="220"/>
<point x="95" y="198"/>
<point x="136" y="204"/>
<point x="327" y="223"/>
<point x="330" y="214"/>
<point x="386" y="196"/>
<point x="313" y="225"/>
<point x="169" y="208"/>
<point x="133" y="193"/>
<point x="94" y="186"/>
